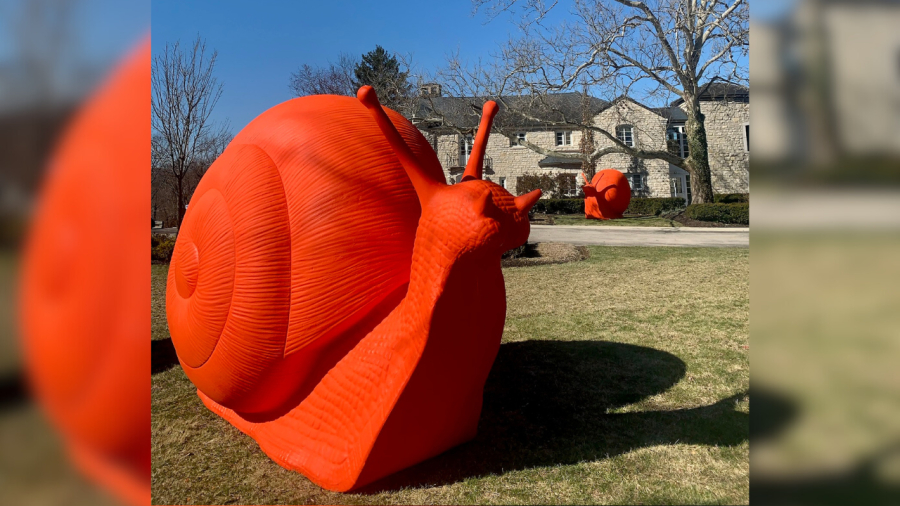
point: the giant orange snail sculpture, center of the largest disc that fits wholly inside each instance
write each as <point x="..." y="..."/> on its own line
<point x="332" y="297"/>
<point x="607" y="196"/>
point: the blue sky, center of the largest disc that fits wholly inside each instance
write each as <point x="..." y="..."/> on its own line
<point x="770" y="9"/>
<point x="261" y="43"/>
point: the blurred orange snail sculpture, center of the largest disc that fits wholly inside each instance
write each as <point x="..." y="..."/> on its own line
<point x="83" y="288"/>
<point x="332" y="297"/>
<point x="607" y="196"/>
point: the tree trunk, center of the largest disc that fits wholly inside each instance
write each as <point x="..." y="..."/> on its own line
<point x="698" y="157"/>
<point x="180" y="201"/>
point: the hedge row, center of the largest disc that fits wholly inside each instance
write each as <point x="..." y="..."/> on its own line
<point x="638" y="206"/>
<point x="738" y="214"/>
<point x="559" y="206"/>
<point x="731" y="198"/>
<point x="654" y="206"/>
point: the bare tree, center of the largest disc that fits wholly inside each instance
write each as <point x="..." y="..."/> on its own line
<point x="653" y="50"/>
<point x="184" y="94"/>
<point x="336" y="79"/>
<point x="164" y="185"/>
<point x="587" y="147"/>
<point x="208" y="150"/>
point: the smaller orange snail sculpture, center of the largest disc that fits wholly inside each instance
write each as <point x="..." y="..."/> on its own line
<point x="346" y="323"/>
<point x="607" y="196"/>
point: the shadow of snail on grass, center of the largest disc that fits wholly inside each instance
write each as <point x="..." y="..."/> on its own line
<point x="162" y="355"/>
<point x="546" y="403"/>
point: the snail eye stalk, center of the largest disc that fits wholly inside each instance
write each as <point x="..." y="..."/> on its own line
<point x="475" y="164"/>
<point x="424" y="185"/>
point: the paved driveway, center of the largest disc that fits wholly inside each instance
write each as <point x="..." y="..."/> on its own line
<point x="642" y="236"/>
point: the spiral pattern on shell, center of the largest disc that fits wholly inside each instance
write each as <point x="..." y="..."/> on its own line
<point x="303" y="226"/>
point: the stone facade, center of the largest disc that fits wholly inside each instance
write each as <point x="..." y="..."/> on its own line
<point x="725" y="125"/>
<point x="648" y="129"/>
<point x="507" y="163"/>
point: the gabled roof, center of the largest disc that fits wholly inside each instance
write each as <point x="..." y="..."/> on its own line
<point x="670" y="113"/>
<point x="720" y="90"/>
<point x="462" y="112"/>
<point x="465" y="112"/>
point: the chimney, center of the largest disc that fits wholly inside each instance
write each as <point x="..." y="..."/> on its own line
<point x="430" y="90"/>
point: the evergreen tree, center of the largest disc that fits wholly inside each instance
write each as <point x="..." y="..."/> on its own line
<point x="382" y="71"/>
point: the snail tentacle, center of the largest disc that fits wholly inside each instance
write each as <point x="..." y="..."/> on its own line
<point x="425" y="186"/>
<point x="475" y="165"/>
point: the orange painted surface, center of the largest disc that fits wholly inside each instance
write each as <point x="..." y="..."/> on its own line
<point x="607" y="196"/>
<point x="332" y="297"/>
<point x="84" y="285"/>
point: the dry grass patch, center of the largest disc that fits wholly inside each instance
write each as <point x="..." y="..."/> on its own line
<point x="622" y="379"/>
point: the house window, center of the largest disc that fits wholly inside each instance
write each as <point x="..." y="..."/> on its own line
<point x="564" y="138"/>
<point x="747" y="137"/>
<point x="625" y="134"/>
<point x="676" y="141"/>
<point x="568" y="186"/>
<point x="502" y="182"/>
<point x="519" y="139"/>
<point x="638" y="182"/>
<point x="465" y="149"/>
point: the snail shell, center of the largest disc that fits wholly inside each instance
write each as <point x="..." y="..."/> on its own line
<point x="296" y="242"/>
<point x="607" y="196"/>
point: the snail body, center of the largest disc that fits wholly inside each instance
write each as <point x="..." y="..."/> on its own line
<point x="333" y="298"/>
<point x="607" y="196"/>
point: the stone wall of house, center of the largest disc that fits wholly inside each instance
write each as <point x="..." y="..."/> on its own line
<point x="729" y="160"/>
<point x="649" y="131"/>
<point x="508" y="162"/>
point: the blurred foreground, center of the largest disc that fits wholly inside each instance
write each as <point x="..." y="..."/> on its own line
<point x="825" y="281"/>
<point x="71" y="173"/>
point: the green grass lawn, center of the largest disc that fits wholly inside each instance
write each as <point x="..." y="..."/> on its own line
<point x="641" y="221"/>
<point x="621" y="379"/>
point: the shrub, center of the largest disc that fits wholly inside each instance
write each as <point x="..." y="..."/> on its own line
<point x="654" y="206"/>
<point x="529" y="182"/>
<point x="161" y="249"/>
<point x="738" y="214"/>
<point x="567" y="187"/>
<point x="731" y="198"/>
<point x="553" y="186"/>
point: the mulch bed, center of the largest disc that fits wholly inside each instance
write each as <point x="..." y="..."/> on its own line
<point x="544" y="253"/>
<point x="540" y="219"/>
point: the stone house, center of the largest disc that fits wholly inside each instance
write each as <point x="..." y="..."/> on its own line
<point x="726" y="107"/>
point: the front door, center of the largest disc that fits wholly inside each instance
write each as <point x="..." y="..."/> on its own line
<point x="465" y="149"/>
<point x="681" y="186"/>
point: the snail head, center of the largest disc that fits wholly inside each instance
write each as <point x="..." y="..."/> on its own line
<point x="480" y="215"/>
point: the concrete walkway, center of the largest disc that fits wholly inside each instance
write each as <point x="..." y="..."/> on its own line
<point x="626" y="236"/>
<point x="642" y="236"/>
